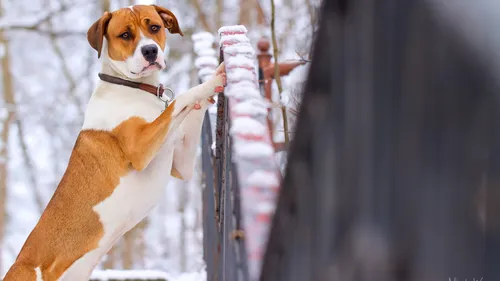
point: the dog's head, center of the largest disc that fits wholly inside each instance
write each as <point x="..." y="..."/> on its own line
<point x="135" y="38"/>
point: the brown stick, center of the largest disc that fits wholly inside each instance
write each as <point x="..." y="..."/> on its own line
<point x="8" y="96"/>
<point x="277" y="76"/>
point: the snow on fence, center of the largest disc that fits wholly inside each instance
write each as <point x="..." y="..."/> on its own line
<point x="241" y="177"/>
<point x="252" y="149"/>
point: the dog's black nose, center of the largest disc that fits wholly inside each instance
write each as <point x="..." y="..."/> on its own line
<point x="150" y="52"/>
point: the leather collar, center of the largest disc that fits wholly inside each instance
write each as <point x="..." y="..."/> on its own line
<point x="154" y="90"/>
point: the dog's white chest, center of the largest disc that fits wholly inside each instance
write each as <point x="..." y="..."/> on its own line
<point x="138" y="192"/>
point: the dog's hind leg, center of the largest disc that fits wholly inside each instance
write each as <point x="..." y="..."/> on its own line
<point x="22" y="272"/>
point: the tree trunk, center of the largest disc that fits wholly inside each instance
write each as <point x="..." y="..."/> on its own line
<point x="8" y="96"/>
<point x="246" y="12"/>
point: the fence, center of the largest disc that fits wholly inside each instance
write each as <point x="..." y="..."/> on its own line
<point x="240" y="174"/>
<point x="394" y="169"/>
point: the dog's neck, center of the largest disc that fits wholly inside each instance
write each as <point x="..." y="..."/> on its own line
<point x="108" y="69"/>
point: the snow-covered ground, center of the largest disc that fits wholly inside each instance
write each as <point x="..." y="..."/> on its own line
<point x="105" y="275"/>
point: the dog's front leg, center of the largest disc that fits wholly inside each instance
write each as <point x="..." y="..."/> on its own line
<point x="189" y="135"/>
<point x="185" y="151"/>
<point x="140" y="140"/>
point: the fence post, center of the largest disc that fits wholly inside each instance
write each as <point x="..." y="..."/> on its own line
<point x="264" y="59"/>
<point x="254" y="175"/>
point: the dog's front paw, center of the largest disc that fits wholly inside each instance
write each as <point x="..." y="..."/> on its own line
<point x="220" y="82"/>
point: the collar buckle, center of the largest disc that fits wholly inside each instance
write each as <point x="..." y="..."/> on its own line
<point x="165" y="94"/>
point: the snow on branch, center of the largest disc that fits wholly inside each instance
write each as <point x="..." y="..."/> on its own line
<point x="206" y="61"/>
<point x="35" y="22"/>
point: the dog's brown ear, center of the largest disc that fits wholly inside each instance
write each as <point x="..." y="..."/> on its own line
<point x="169" y="20"/>
<point x="97" y="31"/>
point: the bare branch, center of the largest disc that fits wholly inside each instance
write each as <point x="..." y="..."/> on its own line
<point x="261" y="16"/>
<point x="6" y="23"/>
<point x="15" y="24"/>
<point x="30" y="167"/>
<point x="302" y="58"/>
<point x="201" y="15"/>
<point x="277" y="76"/>
<point x="8" y="96"/>
<point x="65" y="69"/>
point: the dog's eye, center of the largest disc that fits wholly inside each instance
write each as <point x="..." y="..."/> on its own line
<point x="154" y="28"/>
<point x="125" y="35"/>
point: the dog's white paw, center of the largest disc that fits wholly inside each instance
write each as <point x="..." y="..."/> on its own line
<point x="210" y="88"/>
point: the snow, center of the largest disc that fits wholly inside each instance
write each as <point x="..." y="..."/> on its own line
<point x="204" y="61"/>
<point x="285" y="98"/>
<point x="240" y="61"/>
<point x="253" y="149"/>
<point x="239" y="74"/>
<point x="263" y="178"/>
<point x="203" y="36"/>
<point x="251" y="85"/>
<point x="253" y="107"/>
<point x="241" y="93"/>
<point x="240" y="48"/>
<point x="153" y="275"/>
<point x="200" y="45"/>
<point x="206" y="71"/>
<point x="192" y="276"/>
<point x="206" y="52"/>
<point x="233" y="28"/>
<point x="25" y="20"/>
<point x="3" y="112"/>
<point x="265" y="207"/>
<point x="212" y="109"/>
<point x="2" y="50"/>
<point x="105" y="275"/>
<point x="246" y="126"/>
<point x="233" y="39"/>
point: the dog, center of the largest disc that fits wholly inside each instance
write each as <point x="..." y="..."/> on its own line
<point x="129" y="146"/>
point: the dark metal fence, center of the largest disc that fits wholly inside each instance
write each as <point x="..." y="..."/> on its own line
<point x="394" y="170"/>
<point x="233" y="250"/>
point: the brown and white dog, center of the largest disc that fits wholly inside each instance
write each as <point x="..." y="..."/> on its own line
<point x="125" y="153"/>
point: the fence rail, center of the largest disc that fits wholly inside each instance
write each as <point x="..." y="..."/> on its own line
<point x="241" y="177"/>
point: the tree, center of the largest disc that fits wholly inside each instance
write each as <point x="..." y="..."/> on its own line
<point x="9" y="103"/>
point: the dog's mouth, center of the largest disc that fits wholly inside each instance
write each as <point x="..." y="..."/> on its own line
<point x="153" y="65"/>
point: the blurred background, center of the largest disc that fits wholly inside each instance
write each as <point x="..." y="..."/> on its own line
<point x="48" y="73"/>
